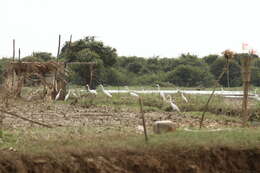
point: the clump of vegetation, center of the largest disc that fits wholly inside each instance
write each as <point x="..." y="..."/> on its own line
<point x="186" y="70"/>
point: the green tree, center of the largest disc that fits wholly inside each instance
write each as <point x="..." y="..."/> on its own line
<point x="89" y="50"/>
<point x="134" y="67"/>
<point x="210" y="59"/>
<point x="234" y="72"/>
<point x="39" y="57"/>
<point x="190" y="76"/>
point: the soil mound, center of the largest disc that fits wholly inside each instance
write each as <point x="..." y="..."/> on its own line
<point x="176" y="160"/>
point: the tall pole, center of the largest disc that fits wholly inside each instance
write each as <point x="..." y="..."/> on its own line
<point x="58" y="53"/>
<point x="19" y="55"/>
<point x="143" y="119"/>
<point x="246" y="84"/>
<point x="55" y="83"/>
<point x="13" y="49"/>
<point x="228" y="83"/>
<point x="13" y="61"/>
<point x="70" y="40"/>
<point x="228" y="55"/>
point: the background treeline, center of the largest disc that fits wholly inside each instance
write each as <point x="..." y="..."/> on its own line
<point x="186" y="70"/>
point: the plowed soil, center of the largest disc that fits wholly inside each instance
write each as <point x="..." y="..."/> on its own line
<point x="107" y="160"/>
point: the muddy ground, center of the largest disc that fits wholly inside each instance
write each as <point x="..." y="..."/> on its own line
<point x="105" y="160"/>
<point x="58" y="114"/>
<point x="203" y="160"/>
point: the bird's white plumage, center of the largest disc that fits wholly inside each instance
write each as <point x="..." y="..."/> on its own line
<point x="67" y="96"/>
<point x="174" y="106"/>
<point x="75" y="95"/>
<point x="184" y="98"/>
<point x="58" y="95"/>
<point x="160" y="92"/>
<point x="105" y="91"/>
<point x="131" y="92"/>
<point x="134" y="94"/>
<point x="256" y="96"/>
<point x="91" y="91"/>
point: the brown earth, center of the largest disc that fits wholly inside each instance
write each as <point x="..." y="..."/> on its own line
<point x="215" y="160"/>
<point x="142" y="161"/>
<point x="66" y="115"/>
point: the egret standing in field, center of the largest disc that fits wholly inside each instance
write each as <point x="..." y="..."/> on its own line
<point x="58" y="95"/>
<point x="105" y="91"/>
<point x="256" y="96"/>
<point x="131" y="92"/>
<point x="174" y="106"/>
<point x="67" y="96"/>
<point x="91" y="91"/>
<point x="183" y="97"/>
<point x="160" y="92"/>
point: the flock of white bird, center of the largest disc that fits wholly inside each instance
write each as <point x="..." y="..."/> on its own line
<point x="131" y="93"/>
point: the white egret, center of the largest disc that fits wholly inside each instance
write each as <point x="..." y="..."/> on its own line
<point x="67" y="96"/>
<point x="75" y="95"/>
<point x="256" y="96"/>
<point x="58" y="95"/>
<point x="91" y="91"/>
<point x="174" y="106"/>
<point x="105" y="91"/>
<point x="131" y="92"/>
<point x="183" y="97"/>
<point x="160" y="92"/>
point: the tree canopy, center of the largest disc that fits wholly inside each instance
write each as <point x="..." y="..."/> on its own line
<point x="186" y="70"/>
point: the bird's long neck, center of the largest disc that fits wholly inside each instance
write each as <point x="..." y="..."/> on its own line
<point x="88" y="87"/>
<point x="171" y="99"/>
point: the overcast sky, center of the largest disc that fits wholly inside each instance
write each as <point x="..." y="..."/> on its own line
<point x="134" y="27"/>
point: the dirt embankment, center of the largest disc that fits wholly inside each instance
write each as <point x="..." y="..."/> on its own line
<point x="190" y="161"/>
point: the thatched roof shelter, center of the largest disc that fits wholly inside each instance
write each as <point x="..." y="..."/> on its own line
<point x="51" y="74"/>
<point x="34" y="67"/>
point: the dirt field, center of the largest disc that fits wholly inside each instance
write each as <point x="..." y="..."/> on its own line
<point x="59" y="114"/>
<point x="161" y="159"/>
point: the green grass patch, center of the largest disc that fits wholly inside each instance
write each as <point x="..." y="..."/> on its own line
<point x="44" y="140"/>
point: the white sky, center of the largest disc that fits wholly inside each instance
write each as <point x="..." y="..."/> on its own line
<point x="134" y="27"/>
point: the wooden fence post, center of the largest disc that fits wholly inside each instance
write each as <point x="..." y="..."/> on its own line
<point x="246" y="63"/>
<point x="143" y="119"/>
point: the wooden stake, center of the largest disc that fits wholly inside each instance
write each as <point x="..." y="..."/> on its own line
<point x="91" y="76"/>
<point x="55" y="87"/>
<point x="13" y="61"/>
<point x="70" y="40"/>
<point x="228" y="83"/>
<point x="13" y="49"/>
<point x="143" y="119"/>
<point x="19" y="55"/>
<point x="246" y="63"/>
<point x="58" y="53"/>
<point x="214" y="89"/>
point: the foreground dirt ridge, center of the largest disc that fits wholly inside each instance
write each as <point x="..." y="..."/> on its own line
<point x="197" y="161"/>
